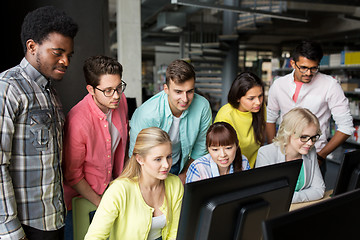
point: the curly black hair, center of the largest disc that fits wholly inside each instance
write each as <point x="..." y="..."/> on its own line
<point x="39" y="23"/>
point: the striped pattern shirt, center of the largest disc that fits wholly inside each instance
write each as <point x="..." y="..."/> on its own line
<point x="31" y="123"/>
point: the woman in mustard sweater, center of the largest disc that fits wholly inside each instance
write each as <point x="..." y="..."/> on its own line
<point x="145" y="201"/>
<point x="245" y="111"/>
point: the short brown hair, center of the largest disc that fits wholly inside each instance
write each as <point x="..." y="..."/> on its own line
<point x="96" y="66"/>
<point x="179" y="71"/>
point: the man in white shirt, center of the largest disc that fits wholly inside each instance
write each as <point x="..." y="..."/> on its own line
<point x="321" y="94"/>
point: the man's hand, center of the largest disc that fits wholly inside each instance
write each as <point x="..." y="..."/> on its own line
<point x="182" y="177"/>
<point x="320" y="159"/>
<point x="270" y="132"/>
<point x="338" y="139"/>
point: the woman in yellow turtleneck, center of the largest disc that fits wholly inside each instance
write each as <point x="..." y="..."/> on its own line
<point x="246" y="112"/>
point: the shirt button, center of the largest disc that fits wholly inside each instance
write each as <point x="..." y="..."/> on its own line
<point x="109" y="172"/>
<point x="105" y="125"/>
<point x="108" y="156"/>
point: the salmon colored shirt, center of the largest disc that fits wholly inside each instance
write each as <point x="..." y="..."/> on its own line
<point x="87" y="146"/>
<point x="297" y="90"/>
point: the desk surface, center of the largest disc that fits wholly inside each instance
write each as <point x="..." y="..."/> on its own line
<point x="304" y="204"/>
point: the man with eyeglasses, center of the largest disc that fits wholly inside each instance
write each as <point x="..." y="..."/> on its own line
<point x="96" y="134"/>
<point x="308" y="88"/>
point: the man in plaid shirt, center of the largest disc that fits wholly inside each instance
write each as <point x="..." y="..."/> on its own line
<point x="31" y="121"/>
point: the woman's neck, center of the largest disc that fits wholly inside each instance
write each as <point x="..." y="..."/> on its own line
<point x="291" y="154"/>
<point x="149" y="183"/>
<point x="153" y="193"/>
<point x="223" y="171"/>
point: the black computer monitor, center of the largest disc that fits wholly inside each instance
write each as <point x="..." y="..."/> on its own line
<point x="335" y="218"/>
<point x="233" y="206"/>
<point x="349" y="173"/>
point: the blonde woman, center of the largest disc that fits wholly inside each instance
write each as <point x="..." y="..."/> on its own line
<point x="298" y="132"/>
<point x="145" y="201"/>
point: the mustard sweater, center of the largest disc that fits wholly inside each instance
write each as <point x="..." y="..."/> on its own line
<point x="242" y="123"/>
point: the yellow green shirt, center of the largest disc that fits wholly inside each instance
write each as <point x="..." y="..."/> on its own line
<point x="242" y="123"/>
<point x="123" y="213"/>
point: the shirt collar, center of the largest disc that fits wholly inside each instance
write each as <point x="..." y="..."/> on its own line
<point x="94" y="108"/>
<point x="34" y="75"/>
<point x="215" y="170"/>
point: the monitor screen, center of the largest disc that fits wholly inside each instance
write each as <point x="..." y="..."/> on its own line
<point x="349" y="173"/>
<point x="234" y="205"/>
<point x="335" y="218"/>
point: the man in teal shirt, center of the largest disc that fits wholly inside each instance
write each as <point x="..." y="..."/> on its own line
<point x="178" y="110"/>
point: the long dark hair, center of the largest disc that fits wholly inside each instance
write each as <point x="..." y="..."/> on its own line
<point x="223" y="134"/>
<point x="243" y="83"/>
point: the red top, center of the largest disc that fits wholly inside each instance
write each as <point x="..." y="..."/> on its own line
<point x="87" y="146"/>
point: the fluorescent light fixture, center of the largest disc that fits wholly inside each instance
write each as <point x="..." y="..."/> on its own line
<point x="238" y="10"/>
<point x="172" y="29"/>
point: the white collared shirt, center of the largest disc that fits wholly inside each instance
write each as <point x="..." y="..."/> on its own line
<point x="323" y="96"/>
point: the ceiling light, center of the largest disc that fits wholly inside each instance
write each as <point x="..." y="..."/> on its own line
<point x="172" y="29"/>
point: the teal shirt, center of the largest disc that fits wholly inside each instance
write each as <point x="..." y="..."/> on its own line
<point x="194" y="123"/>
<point x="301" y="179"/>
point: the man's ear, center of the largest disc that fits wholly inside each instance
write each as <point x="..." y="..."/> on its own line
<point x="31" y="46"/>
<point x="166" y="88"/>
<point x="292" y="63"/>
<point x="90" y="89"/>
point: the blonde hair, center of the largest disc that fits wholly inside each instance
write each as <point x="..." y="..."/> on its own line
<point x="294" y="122"/>
<point x="147" y="139"/>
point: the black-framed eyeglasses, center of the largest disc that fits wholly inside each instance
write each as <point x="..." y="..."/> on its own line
<point x="305" y="138"/>
<point x="303" y="69"/>
<point x="109" y="92"/>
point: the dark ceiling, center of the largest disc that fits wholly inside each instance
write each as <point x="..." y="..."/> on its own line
<point x="334" y="23"/>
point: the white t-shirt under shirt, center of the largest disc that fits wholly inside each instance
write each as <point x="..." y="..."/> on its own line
<point x="114" y="133"/>
<point x="175" y="139"/>
<point x="157" y="224"/>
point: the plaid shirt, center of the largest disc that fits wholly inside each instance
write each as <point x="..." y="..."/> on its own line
<point x="205" y="167"/>
<point x="31" y="122"/>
